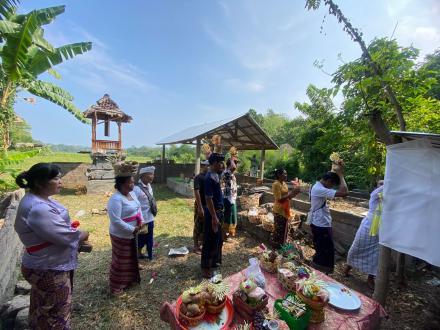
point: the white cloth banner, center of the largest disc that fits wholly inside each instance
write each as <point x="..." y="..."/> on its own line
<point x="411" y="210"/>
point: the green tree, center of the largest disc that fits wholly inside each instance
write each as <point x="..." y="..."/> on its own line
<point x="25" y="54"/>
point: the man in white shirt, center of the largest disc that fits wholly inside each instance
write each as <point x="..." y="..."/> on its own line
<point x="321" y="225"/>
<point x="144" y="193"/>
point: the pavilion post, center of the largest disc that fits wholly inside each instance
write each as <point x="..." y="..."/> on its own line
<point x="198" y="152"/>
<point x="381" y="285"/>
<point x="263" y="159"/>
<point x="163" y="164"/>
<point x="93" y="133"/>
<point x="119" y="135"/>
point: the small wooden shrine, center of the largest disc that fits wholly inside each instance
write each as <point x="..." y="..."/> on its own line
<point x="100" y="175"/>
<point x="103" y="112"/>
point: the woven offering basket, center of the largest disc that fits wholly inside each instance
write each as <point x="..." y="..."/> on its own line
<point x="287" y="283"/>
<point x="248" y="202"/>
<point x="255" y="219"/>
<point x="317" y="307"/>
<point x="215" y="309"/>
<point x="191" y="321"/>
<point x="246" y="311"/>
<point x="270" y="267"/>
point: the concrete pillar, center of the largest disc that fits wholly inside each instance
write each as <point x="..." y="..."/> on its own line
<point x="198" y="151"/>
<point x="262" y="161"/>
<point x="163" y="164"/>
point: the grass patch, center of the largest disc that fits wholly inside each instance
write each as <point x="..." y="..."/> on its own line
<point x="139" y="308"/>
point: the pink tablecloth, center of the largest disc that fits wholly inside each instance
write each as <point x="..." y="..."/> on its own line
<point x="367" y="317"/>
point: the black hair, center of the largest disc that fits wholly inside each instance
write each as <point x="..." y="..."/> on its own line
<point x="38" y="175"/>
<point x="333" y="177"/>
<point x="120" y="180"/>
<point x="278" y="172"/>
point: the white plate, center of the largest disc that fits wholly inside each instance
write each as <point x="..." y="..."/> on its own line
<point x="343" y="298"/>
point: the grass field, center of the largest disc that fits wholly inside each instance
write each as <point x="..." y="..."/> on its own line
<point x="50" y="157"/>
<point x="139" y="308"/>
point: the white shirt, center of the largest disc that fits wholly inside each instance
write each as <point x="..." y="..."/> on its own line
<point x="119" y="207"/>
<point x="143" y="199"/>
<point x="318" y="196"/>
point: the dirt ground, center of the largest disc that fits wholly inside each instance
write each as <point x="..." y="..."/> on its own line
<point x="416" y="306"/>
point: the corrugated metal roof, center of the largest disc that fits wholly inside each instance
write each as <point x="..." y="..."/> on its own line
<point x="432" y="137"/>
<point x="242" y="132"/>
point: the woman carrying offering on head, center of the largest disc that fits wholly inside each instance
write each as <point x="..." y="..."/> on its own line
<point x="51" y="247"/>
<point x="281" y="206"/>
<point x="124" y="212"/>
<point x="229" y="199"/>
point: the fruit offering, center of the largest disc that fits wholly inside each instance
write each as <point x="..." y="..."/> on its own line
<point x="216" y="293"/>
<point x="193" y="301"/>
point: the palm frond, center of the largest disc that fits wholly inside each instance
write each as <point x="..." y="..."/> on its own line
<point x="41" y="42"/>
<point x="15" y="51"/>
<point x="8" y="27"/>
<point x="43" y="61"/>
<point x="7" y="7"/>
<point x="55" y="95"/>
<point x="44" y="16"/>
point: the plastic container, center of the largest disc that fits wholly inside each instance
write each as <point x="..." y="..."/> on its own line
<point x="294" y="323"/>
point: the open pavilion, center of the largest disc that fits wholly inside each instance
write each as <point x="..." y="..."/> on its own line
<point x="242" y="132"/>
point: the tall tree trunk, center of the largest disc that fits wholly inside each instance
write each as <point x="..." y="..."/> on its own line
<point x="383" y="271"/>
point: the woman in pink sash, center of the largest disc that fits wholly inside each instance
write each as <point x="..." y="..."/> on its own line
<point x="124" y="212"/>
<point x="51" y="247"/>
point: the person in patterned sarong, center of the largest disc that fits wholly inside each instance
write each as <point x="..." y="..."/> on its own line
<point x="51" y="243"/>
<point x="364" y="252"/>
<point x="124" y="212"/>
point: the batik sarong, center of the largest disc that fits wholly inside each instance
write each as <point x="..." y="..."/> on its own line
<point x="280" y="231"/>
<point x="51" y="298"/>
<point x="124" y="268"/>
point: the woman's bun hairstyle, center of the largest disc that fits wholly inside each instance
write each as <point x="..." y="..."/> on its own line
<point x="21" y="180"/>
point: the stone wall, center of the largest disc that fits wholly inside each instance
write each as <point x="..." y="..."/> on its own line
<point x="10" y="245"/>
<point x="180" y="187"/>
<point x="74" y="174"/>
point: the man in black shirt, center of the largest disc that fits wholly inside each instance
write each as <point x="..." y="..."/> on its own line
<point x="200" y="203"/>
<point x="212" y="233"/>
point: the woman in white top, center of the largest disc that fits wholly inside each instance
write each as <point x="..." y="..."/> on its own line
<point x="124" y="212"/>
<point x="364" y="252"/>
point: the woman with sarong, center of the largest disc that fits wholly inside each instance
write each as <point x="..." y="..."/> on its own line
<point x="281" y="206"/>
<point x="124" y="212"/>
<point x="229" y="200"/>
<point x="364" y="252"/>
<point x="51" y="247"/>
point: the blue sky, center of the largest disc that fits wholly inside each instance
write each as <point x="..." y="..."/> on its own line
<point x="173" y="64"/>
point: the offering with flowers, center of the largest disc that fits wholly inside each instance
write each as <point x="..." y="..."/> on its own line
<point x="268" y="261"/>
<point x="249" y="299"/>
<point x="312" y="291"/>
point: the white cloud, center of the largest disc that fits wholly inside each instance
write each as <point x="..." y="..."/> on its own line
<point x="99" y="69"/>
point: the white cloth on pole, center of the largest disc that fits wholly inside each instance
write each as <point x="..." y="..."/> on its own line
<point x="411" y="210"/>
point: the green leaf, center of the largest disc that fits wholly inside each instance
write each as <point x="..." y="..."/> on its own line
<point x="54" y="73"/>
<point x="7" y="7"/>
<point x="15" y="51"/>
<point x="8" y="27"/>
<point x="56" y="95"/>
<point x="43" y="61"/>
<point x="44" y="16"/>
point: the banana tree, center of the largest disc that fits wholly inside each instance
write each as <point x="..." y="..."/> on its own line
<point x="25" y="54"/>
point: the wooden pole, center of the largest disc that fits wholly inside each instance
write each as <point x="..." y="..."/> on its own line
<point x="94" y="133"/>
<point x="163" y="164"/>
<point x="263" y="159"/>
<point x="400" y="268"/>
<point x="120" y="135"/>
<point x="198" y="151"/>
<point x="381" y="285"/>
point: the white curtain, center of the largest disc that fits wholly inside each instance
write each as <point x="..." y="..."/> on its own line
<point x="411" y="211"/>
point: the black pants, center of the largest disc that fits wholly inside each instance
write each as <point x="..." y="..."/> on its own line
<point x="325" y="249"/>
<point x="212" y="242"/>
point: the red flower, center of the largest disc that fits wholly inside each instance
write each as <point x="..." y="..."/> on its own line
<point x="75" y="224"/>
